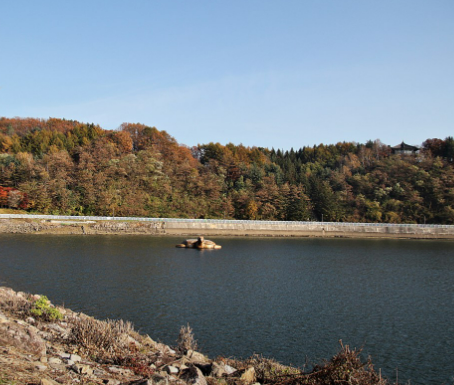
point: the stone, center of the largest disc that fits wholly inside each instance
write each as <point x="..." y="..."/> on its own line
<point x="111" y="381"/>
<point x="57" y="328"/>
<point x="69" y="362"/>
<point x="82" y="369"/>
<point x="41" y="368"/>
<point x="147" y="341"/>
<point x="217" y="370"/>
<point x="46" y="381"/>
<point x="23" y="337"/>
<point x="43" y="359"/>
<point x="65" y="356"/>
<point x="54" y="360"/>
<point x="99" y="372"/>
<point x="248" y="377"/>
<point x="75" y="357"/>
<point x="196" y="356"/>
<point x="164" y="349"/>
<point x="142" y="382"/>
<point x="171" y="369"/>
<point x="156" y="379"/>
<point x="3" y="318"/>
<point x="204" y="367"/>
<point x="120" y="371"/>
<point x="193" y="376"/>
<point x="229" y="369"/>
<point x="31" y="320"/>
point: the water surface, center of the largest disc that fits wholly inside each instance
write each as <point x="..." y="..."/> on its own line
<point x="291" y="299"/>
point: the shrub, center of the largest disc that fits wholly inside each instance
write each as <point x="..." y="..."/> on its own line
<point x="42" y="309"/>
<point x="100" y="339"/>
<point x="186" y="340"/>
<point x="346" y="367"/>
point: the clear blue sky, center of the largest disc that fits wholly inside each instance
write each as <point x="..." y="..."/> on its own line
<point x="259" y="72"/>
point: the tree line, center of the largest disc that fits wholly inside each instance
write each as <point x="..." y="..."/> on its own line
<point x="59" y="166"/>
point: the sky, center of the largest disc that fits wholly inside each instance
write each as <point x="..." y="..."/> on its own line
<point x="263" y="73"/>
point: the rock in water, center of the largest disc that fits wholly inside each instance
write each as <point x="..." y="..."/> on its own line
<point x="199" y="243"/>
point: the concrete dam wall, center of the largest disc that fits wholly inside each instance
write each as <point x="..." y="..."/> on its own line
<point x="56" y="224"/>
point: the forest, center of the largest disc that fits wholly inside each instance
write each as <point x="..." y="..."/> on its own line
<point x="65" y="167"/>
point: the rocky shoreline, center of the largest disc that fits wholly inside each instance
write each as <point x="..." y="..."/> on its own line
<point x="49" y="345"/>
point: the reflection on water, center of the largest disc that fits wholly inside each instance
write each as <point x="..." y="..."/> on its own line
<point x="290" y="299"/>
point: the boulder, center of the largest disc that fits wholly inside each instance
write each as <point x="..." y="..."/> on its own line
<point x="193" y="376"/>
<point x="22" y="337"/>
<point x="170" y="369"/>
<point x="204" y="367"/>
<point x="248" y="377"/>
<point x="229" y="369"/>
<point x="219" y="369"/>
<point x="197" y="357"/>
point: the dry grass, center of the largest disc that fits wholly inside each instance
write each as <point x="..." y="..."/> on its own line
<point x="100" y="339"/>
<point x="186" y="340"/>
<point x="346" y="367"/>
<point x="15" y="305"/>
<point x="12" y="211"/>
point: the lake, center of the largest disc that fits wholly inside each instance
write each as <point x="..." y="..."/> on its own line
<point x="287" y="298"/>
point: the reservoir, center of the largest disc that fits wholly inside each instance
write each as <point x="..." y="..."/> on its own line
<point x="292" y="299"/>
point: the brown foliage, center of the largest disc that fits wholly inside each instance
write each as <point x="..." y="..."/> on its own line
<point x="346" y="367"/>
<point x="101" y="339"/>
<point x="186" y="339"/>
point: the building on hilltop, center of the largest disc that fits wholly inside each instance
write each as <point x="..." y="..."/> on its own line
<point x="404" y="149"/>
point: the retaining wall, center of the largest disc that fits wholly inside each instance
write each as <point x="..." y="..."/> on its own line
<point x="173" y="226"/>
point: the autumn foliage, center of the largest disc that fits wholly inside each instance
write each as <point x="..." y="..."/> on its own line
<point x="13" y="198"/>
<point x="59" y="166"/>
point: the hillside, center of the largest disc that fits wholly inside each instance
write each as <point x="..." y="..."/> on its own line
<point x="66" y="167"/>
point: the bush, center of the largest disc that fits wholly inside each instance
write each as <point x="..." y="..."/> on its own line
<point x="101" y="339"/>
<point x="346" y="367"/>
<point x="186" y="340"/>
<point x="42" y="309"/>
